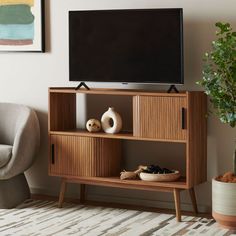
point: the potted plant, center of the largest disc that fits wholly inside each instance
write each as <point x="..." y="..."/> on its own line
<point x="219" y="82"/>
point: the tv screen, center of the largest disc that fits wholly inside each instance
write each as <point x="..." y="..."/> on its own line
<point x="141" y="46"/>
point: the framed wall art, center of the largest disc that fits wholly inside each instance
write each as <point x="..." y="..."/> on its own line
<point x="22" y="25"/>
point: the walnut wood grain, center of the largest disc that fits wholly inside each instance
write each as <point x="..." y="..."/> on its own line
<point x="62" y="192"/>
<point x="122" y="135"/>
<point x="177" y="204"/>
<point x="159" y="117"/>
<point x="85" y="156"/>
<point x="62" y="111"/>
<point x="196" y="148"/>
<point x="116" y="182"/>
<point x="107" y="91"/>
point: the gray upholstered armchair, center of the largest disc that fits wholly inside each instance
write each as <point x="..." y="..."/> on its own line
<point x="19" y="143"/>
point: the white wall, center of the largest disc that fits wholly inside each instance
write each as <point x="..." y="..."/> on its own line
<point x="25" y="78"/>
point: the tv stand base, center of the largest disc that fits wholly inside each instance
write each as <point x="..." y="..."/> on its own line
<point x="82" y="84"/>
<point x="82" y="200"/>
<point x="172" y="87"/>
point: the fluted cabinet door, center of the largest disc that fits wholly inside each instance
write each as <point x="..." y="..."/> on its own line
<point x="160" y="117"/>
<point x="74" y="156"/>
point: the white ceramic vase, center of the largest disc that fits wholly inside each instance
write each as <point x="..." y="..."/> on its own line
<point x="111" y="116"/>
<point x="224" y="203"/>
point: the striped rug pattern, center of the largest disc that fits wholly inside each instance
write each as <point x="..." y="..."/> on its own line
<point x="36" y="218"/>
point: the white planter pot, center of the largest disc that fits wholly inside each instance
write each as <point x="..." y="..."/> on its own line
<point x="224" y="203"/>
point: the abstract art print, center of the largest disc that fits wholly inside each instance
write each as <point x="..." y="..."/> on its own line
<point x="22" y="25"/>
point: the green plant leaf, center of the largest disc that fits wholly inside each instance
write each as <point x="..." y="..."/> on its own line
<point x="219" y="74"/>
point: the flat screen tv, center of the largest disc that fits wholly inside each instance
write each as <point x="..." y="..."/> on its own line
<point x="136" y="46"/>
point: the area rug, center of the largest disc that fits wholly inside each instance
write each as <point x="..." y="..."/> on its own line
<point x="37" y="218"/>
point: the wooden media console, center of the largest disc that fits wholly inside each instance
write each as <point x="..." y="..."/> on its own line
<point x="78" y="156"/>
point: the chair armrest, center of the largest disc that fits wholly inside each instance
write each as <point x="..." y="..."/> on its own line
<point x="25" y="146"/>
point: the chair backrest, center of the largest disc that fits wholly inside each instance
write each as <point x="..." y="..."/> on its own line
<point x="12" y="118"/>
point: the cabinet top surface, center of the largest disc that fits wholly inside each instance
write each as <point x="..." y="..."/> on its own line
<point x="130" y="92"/>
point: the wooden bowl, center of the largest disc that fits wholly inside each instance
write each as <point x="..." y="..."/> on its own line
<point x="160" y="177"/>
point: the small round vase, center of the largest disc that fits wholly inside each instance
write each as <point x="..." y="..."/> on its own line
<point x="93" y="125"/>
<point x="111" y="121"/>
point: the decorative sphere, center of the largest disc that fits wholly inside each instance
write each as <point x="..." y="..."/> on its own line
<point x="93" y="125"/>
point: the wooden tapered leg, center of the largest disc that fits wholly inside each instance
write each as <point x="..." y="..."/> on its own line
<point x="82" y="193"/>
<point x="62" y="192"/>
<point x="177" y="204"/>
<point x="193" y="199"/>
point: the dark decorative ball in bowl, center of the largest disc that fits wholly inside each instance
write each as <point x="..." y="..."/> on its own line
<point x="156" y="173"/>
<point x="155" y="169"/>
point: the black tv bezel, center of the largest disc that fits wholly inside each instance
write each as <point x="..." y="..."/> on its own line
<point x="181" y="82"/>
